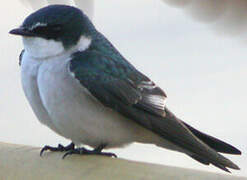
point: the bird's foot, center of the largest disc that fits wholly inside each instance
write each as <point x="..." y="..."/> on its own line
<point x="84" y="151"/>
<point x="59" y="148"/>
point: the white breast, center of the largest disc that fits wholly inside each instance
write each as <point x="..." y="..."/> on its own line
<point x="77" y="114"/>
<point x="63" y="104"/>
<point x="29" y="72"/>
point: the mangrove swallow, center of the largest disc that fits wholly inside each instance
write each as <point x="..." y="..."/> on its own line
<point x="81" y="87"/>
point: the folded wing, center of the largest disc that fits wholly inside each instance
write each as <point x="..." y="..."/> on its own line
<point x="119" y="86"/>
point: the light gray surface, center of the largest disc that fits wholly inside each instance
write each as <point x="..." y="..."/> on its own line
<point x="23" y="162"/>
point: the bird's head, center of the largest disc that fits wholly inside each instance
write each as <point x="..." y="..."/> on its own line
<point x="55" y="29"/>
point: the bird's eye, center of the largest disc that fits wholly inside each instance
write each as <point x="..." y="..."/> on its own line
<point x="49" y="28"/>
<point x="49" y="31"/>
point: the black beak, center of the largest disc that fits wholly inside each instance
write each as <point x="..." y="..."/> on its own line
<point x="22" y="32"/>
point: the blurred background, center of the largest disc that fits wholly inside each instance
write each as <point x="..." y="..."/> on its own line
<point x="195" y="51"/>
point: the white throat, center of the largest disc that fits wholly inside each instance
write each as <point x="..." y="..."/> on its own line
<point x="40" y="48"/>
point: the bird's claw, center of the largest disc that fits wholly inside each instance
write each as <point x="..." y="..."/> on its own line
<point x="59" y="148"/>
<point x="85" y="151"/>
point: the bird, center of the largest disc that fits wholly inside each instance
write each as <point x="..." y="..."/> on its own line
<point x="80" y="86"/>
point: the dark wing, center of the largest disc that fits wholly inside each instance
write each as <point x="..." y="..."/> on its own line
<point x="213" y="142"/>
<point x="119" y="86"/>
<point x="112" y="81"/>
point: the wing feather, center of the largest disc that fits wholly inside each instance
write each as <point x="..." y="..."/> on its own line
<point x="124" y="89"/>
<point x="121" y="82"/>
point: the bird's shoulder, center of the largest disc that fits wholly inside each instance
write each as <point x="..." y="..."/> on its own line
<point x="114" y="81"/>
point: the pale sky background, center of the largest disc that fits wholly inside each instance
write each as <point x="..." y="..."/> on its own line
<point x="203" y="73"/>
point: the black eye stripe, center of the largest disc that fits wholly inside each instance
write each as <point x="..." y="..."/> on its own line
<point x="47" y="29"/>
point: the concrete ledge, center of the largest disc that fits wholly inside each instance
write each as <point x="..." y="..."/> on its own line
<point x="18" y="162"/>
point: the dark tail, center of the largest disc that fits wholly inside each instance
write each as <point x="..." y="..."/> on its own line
<point x="196" y="144"/>
<point x="214" y="143"/>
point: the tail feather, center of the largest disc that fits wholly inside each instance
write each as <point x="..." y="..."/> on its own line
<point x="220" y="162"/>
<point x="206" y="162"/>
<point x="201" y="160"/>
<point x="214" y="143"/>
<point x="196" y="147"/>
<point x="222" y="167"/>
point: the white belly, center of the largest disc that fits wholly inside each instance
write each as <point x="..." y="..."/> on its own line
<point x="29" y="71"/>
<point x="60" y="102"/>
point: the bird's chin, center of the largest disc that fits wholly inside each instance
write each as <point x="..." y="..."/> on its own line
<point x="40" y="48"/>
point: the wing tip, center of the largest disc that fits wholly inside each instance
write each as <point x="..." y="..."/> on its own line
<point x="228" y="149"/>
<point x="213" y="142"/>
<point x="236" y="151"/>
